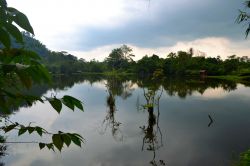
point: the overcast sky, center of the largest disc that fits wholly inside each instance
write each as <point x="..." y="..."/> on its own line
<point x="92" y="28"/>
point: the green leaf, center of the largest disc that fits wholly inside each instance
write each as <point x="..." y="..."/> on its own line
<point x="50" y="146"/>
<point x="71" y="102"/>
<point x="3" y="16"/>
<point x="68" y="102"/>
<point x="29" y="98"/>
<point x="22" y="131"/>
<point x="24" y="77"/>
<point x="78" y="104"/>
<point x="10" y="127"/>
<point x="75" y="139"/>
<point x="9" y="94"/>
<point x="30" y="129"/>
<point x="39" y="130"/>
<point x="31" y="54"/>
<point x="66" y="139"/>
<point x="8" y="68"/>
<point x="21" y="19"/>
<point x="56" y="104"/>
<point x="44" y="73"/>
<point x="42" y="145"/>
<point x="4" y="38"/>
<point x="79" y="136"/>
<point x="57" y="141"/>
<point x="3" y="3"/>
<point x="4" y="109"/>
<point x="14" y="31"/>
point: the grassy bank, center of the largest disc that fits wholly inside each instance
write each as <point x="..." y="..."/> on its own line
<point x="117" y="73"/>
<point x="236" y="78"/>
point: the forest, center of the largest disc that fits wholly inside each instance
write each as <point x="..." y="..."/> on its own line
<point x="120" y="60"/>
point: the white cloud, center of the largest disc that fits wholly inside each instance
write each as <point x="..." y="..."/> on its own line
<point x="56" y="21"/>
<point x="211" y="93"/>
<point x="98" y="53"/>
<point x="212" y="46"/>
<point x="59" y="24"/>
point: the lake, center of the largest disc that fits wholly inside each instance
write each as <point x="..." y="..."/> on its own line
<point x="132" y="122"/>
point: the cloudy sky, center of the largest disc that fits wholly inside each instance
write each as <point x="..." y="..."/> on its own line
<point x="92" y="28"/>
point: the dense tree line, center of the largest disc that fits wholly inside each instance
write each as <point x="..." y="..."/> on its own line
<point x="120" y="61"/>
<point x="180" y="63"/>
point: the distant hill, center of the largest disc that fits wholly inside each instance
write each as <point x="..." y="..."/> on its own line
<point x="56" y="62"/>
<point x="30" y="43"/>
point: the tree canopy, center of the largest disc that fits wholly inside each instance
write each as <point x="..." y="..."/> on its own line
<point x="119" y="57"/>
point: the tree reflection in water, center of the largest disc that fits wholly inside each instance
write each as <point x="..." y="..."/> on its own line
<point x="115" y="87"/>
<point x="110" y="120"/>
<point x="152" y="133"/>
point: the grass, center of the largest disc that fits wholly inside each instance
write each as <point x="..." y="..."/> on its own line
<point x="117" y="73"/>
<point x="231" y="78"/>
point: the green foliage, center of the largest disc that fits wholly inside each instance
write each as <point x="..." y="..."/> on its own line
<point x="148" y="65"/>
<point x="58" y="139"/>
<point x="120" y="61"/>
<point x="71" y="102"/>
<point x="22" y="68"/>
<point x="68" y="101"/>
<point x="245" y="158"/>
<point x="56" y="104"/>
<point x="158" y="74"/>
<point x="4" y="37"/>
<point x="8" y="16"/>
<point x="119" y="58"/>
<point x="20" y="19"/>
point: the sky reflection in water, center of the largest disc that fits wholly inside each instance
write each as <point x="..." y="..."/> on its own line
<point x="120" y="132"/>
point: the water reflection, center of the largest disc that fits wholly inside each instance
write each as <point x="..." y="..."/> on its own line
<point x="109" y="120"/>
<point x="123" y="86"/>
<point x="186" y="87"/>
<point x="183" y="87"/>
<point x="115" y="87"/>
<point x="152" y="133"/>
<point x="179" y="106"/>
<point x="120" y="87"/>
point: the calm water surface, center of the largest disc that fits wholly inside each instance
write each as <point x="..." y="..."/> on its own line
<point x="133" y="123"/>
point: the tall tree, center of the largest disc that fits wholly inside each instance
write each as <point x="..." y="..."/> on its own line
<point x="119" y="57"/>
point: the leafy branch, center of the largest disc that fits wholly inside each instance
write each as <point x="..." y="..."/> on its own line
<point x="21" y="67"/>
<point x="58" y="139"/>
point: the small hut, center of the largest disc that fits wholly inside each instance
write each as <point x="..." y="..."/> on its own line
<point x="203" y="73"/>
